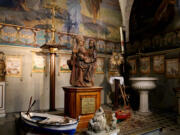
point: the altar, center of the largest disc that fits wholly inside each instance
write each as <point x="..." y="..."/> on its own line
<point x="83" y="102"/>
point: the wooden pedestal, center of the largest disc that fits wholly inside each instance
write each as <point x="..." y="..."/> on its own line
<point x="82" y="101"/>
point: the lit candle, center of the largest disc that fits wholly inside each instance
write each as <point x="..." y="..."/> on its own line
<point x="121" y="39"/>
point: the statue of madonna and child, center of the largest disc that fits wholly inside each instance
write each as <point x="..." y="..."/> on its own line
<point x="83" y="66"/>
<point x="82" y="63"/>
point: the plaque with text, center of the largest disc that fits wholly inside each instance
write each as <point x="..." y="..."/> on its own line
<point x="88" y="105"/>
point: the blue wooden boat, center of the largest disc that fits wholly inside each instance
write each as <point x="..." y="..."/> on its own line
<point x="48" y="123"/>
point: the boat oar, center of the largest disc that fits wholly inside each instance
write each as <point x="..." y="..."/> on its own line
<point x="30" y="107"/>
<point x="30" y="102"/>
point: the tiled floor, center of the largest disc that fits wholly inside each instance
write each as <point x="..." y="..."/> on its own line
<point x="135" y="125"/>
<point x="138" y="124"/>
<point x="141" y="124"/>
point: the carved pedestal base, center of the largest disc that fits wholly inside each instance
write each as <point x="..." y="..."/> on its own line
<point x="82" y="101"/>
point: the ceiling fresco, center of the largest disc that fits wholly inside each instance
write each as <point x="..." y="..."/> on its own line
<point x="96" y="18"/>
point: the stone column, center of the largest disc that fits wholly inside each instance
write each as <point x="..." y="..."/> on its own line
<point x="144" y="101"/>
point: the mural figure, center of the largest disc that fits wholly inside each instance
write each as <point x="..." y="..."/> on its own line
<point x="94" y="7"/>
<point x="82" y="63"/>
<point x="74" y="18"/>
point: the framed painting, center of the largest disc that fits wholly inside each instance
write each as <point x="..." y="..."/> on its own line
<point x="172" y="68"/>
<point x="158" y="64"/>
<point x="38" y="62"/>
<point x="109" y="47"/>
<point x="145" y="65"/>
<point x="100" y="46"/>
<point x="63" y="67"/>
<point x="132" y="63"/>
<point x="100" y="65"/>
<point x="14" y="66"/>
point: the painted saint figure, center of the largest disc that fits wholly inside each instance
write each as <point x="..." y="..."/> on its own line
<point x="82" y="63"/>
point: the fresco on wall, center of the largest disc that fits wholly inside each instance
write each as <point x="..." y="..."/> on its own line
<point x="151" y="17"/>
<point x="95" y="18"/>
<point x="157" y="28"/>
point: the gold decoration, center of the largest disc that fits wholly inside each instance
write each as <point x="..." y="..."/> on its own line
<point x="116" y="59"/>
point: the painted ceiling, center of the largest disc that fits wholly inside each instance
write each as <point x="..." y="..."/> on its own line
<point x="96" y="18"/>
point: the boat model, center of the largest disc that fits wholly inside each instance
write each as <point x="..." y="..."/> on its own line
<point x="49" y="123"/>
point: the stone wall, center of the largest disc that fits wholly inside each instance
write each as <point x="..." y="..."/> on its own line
<point x="20" y="89"/>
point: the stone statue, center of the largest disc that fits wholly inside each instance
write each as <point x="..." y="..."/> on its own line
<point x="82" y="63"/>
<point x="2" y="66"/>
<point x="98" y="122"/>
<point x="113" y="122"/>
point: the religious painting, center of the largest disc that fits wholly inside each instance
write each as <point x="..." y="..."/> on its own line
<point x="163" y="15"/>
<point x="63" y="67"/>
<point x="26" y="36"/>
<point x="100" y="46"/>
<point x="67" y="41"/>
<point x="14" y="66"/>
<point x="100" y="65"/>
<point x="38" y="62"/>
<point x="88" y="17"/>
<point x="8" y="34"/>
<point x="132" y="63"/>
<point x="109" y="47"/>
<point x="40" y="37"/>
<point x="95" y="16"/>
<point x="145" y="65"/>
<point x="158" y="64"/>
<point x="172" y="68"/>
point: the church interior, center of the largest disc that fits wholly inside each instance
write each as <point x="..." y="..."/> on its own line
<point x="114" y="63"/>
